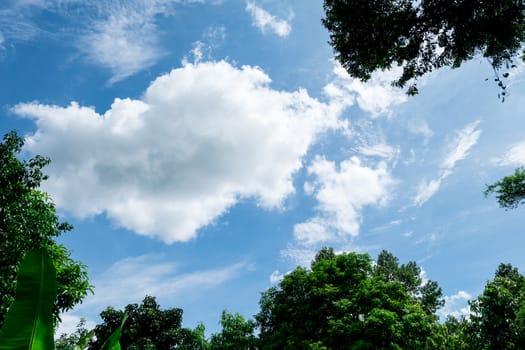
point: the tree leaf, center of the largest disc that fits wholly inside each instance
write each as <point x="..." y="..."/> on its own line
<point x="84" y="341"/>
<point x="29" y="321"/>
<point x="112" y="343"/>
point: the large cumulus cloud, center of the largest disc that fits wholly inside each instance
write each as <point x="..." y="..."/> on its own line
<point x="201" y="138"/>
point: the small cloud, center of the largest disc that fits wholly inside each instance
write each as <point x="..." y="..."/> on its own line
<point x="426" y="190"/>
<point x="300" y="255"/>
<point x="202" y="49"/>
<point x="380" y="150"/>
<point x="313" y="231"/>
<point x="513" y="156"/>
<point x="342" y="193"/>
<point x="267" y="22"/>
<point x="420" y="127"/>
<point x="276" y="277"/>
<point x="455" y="305"/>
<point x="407" y="234"/>
<point x="377" y="96"/>
<point x="432" y="237"/>
<point x="459" y="149"/>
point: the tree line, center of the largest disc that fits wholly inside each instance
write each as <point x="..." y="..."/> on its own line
<point x="343" y="301"/>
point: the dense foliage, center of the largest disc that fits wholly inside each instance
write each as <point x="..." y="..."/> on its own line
<point x="420" y="36"/>
<point x="498" y="318"/>
<point x="236" y="333"/>
<point x="148" y="327"/>
<point x="347" y="302"/>
<point x="28" y="220"/>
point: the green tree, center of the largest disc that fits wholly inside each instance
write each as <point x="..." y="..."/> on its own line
<point x="149" y="328"/>
<point x="457" y="334"/>
<point x="498" y="315"/>
<point x="510" y="191"/>
<point x="346" y="302"/>
<point x="68" y="341"/>
<point x="28" y="220"/>
<point x="420" y="36"/>
<point x="237" y="333"/>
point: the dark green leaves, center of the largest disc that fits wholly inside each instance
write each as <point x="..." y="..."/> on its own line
<point x="420" y="36"/>
<point x="112" y="343"/>
<point x="28" y="220"/>
<point x="29" y="322"/>
<point x="510" y="191"/>
<point x="345" y="302"/>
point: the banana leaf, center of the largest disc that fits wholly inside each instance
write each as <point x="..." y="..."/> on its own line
<point x="29" y="321"/>
<point x="112" y="343"/>
<point x="84" y="341"/>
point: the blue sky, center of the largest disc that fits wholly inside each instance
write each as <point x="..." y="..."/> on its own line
<point x="202" y="149"/>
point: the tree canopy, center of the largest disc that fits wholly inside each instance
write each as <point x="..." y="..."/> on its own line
<point x="509" y="191"/>
<point x="28" y="220"/>
<point x="149" y="327"/>
<point x="236" y="333"/>
<point x="420" y="36"/>
<point x="347" y="302"/>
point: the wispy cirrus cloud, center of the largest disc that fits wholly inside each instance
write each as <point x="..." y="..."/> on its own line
<point x="513" y="156"/>
<point x="267" y="22"/>
<point x="125" y="42"/>
<point x="121" y="36"/>
<point x="129" y="280"/>
<point x="459" y="149"/>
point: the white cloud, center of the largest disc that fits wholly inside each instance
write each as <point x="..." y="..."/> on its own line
<point x="459" y="149"/>
<point x="119" y="35"/>
<point x="513" y="156"/>
<point x="202" y="50"/>
<point x="266" y="21"/>
<point x="300" y="255"/>
<point x="129" y="280"/>
<point x="313" y="231"/>
<point x="341" y="195"/>
<point x="381" y="150"/>
<point x="276" y="277"/>
<point x="426" y="189"/>
<point x="377" y="96"/>
<point x="125" y="42"/>
<point x="455" y="305"/>
<point x="202" y="138"/>
<point x="420" y="127"/>
<point x="407" y="234"/>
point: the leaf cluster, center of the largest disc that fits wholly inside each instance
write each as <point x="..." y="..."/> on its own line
<point x="346" y="302"/>
<point x="509" y="191"/>
<point x="420" y="36"/>
<point x="28" y="220"/>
